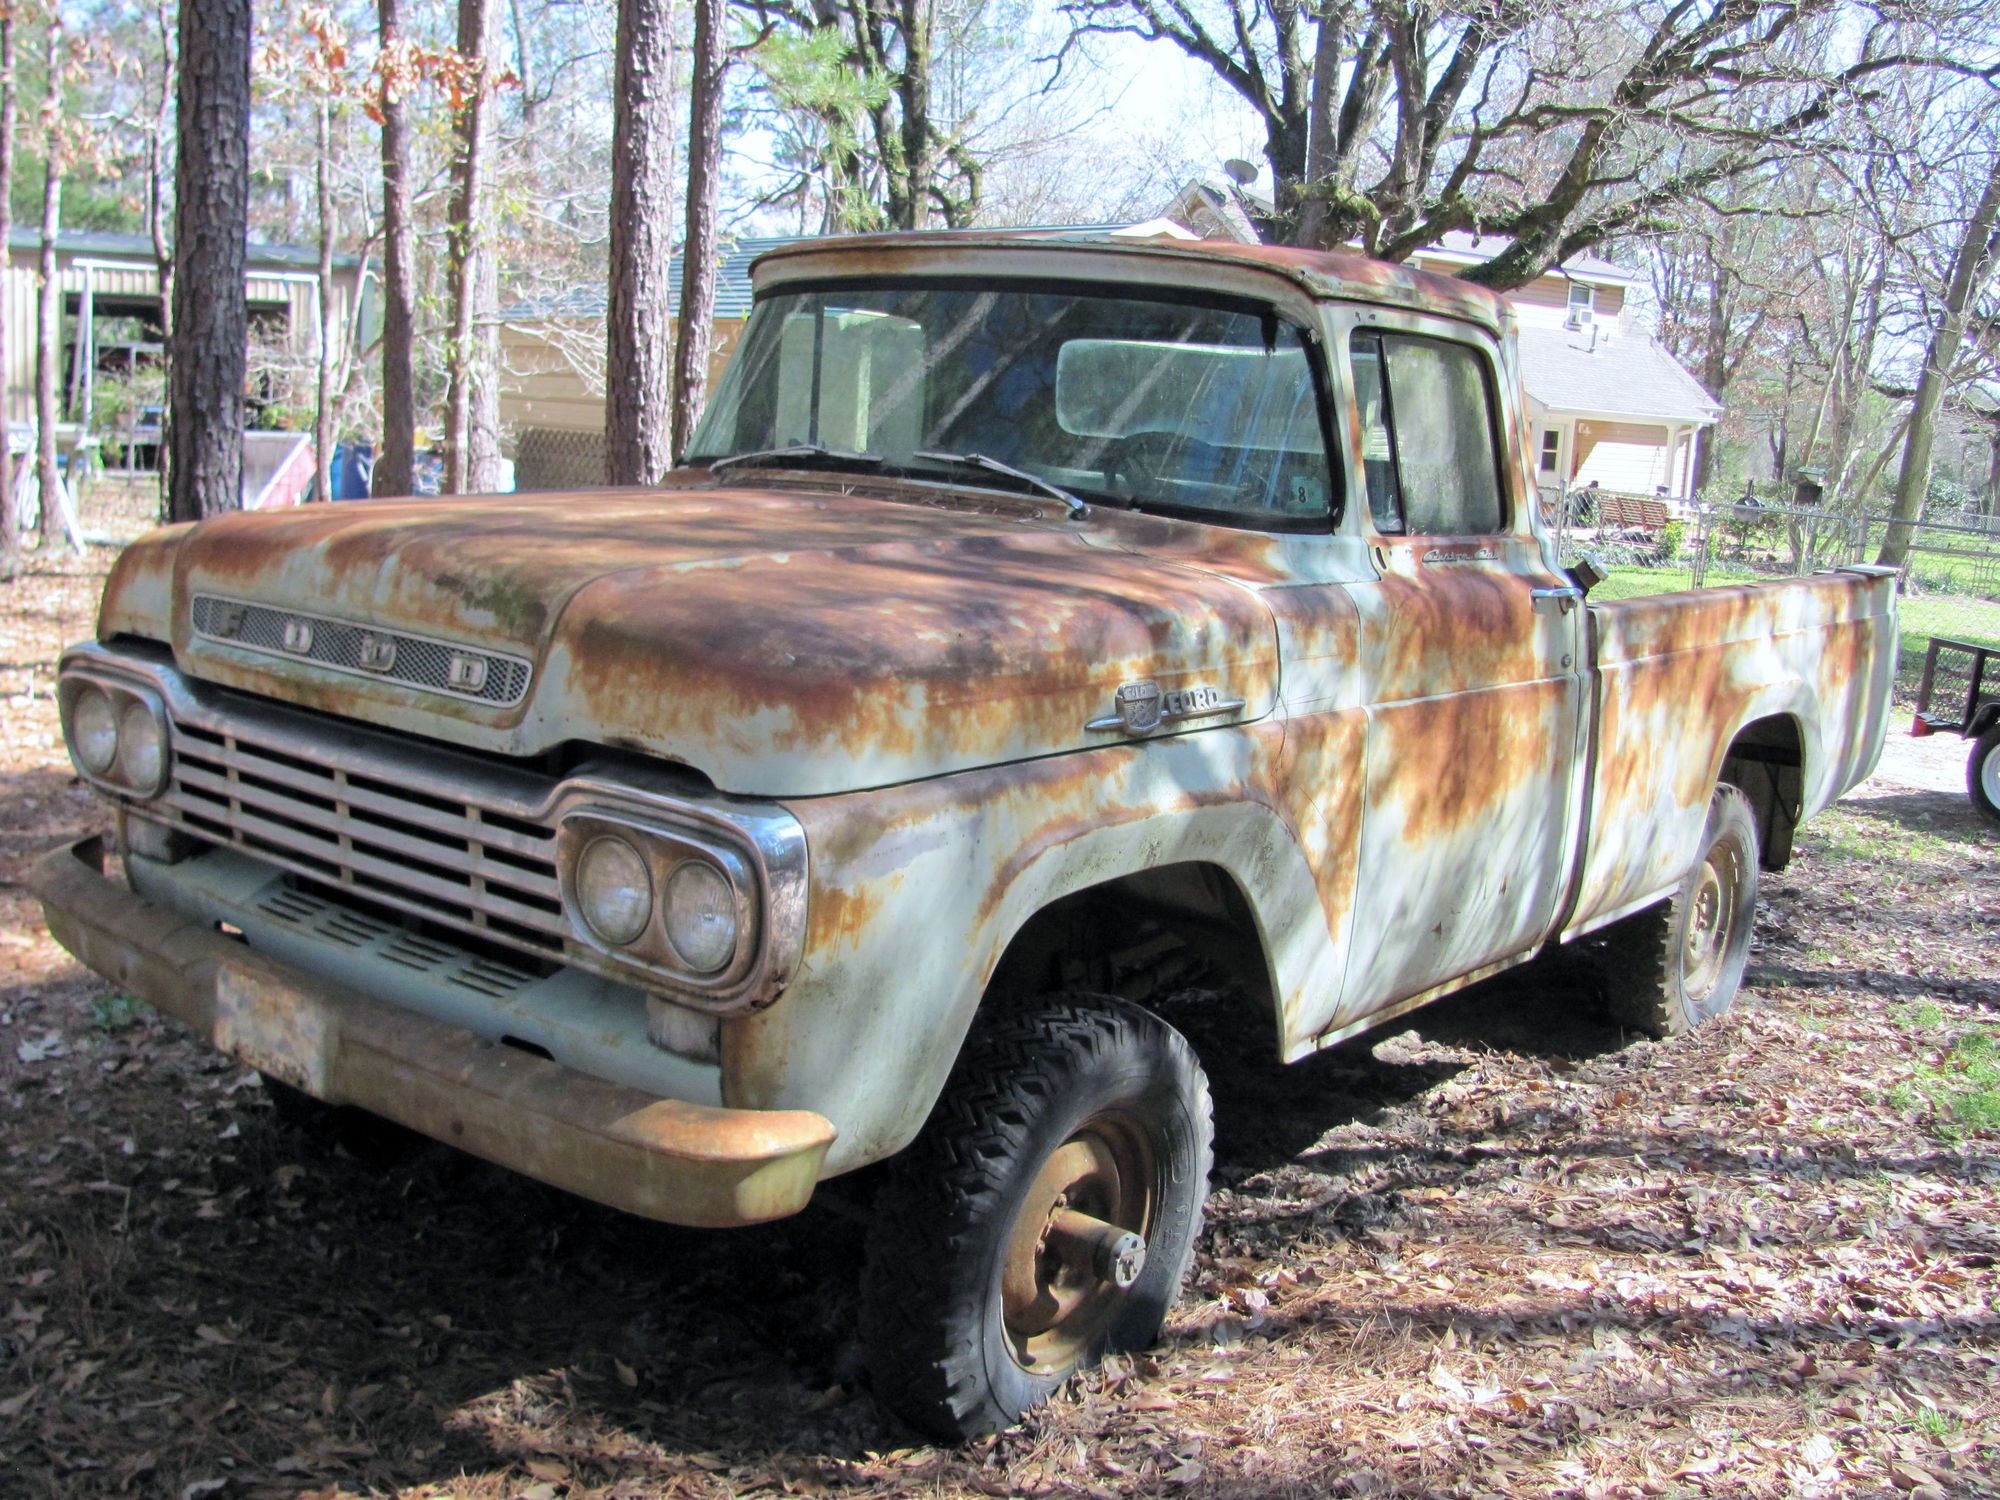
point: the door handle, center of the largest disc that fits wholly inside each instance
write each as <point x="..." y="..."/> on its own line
<point x="1555" y="601"/>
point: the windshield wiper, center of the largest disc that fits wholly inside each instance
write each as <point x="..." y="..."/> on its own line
<point x="994" y="466"/>
<point x="796" y="450"/>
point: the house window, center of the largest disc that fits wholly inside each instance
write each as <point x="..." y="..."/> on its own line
<point x="1552" y="442"/>
<point x="1582" y="302"/>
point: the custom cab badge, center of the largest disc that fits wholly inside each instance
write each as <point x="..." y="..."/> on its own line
<point x="1141" y="708"/>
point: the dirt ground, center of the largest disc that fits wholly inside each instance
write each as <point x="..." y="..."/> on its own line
<point x="1507" y="1252"/>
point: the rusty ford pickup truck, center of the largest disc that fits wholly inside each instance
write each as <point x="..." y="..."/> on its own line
<point x="1021" y="603"/>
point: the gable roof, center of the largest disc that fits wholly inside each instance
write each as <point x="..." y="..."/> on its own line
<point x="1467" y="248"/>
<point x="1629" y="373"/>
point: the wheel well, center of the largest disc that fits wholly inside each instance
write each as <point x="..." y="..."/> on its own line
<point x="1767" y="760"/>
<point x="1140" y="936"/>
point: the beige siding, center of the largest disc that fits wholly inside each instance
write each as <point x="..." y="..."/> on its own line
<point x="1621" y="455"/>
<point x="553" y="373"/>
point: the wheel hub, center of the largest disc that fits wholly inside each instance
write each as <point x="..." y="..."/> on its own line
<point x="1078" y="1243"/>
<point x="1710" y="921"/>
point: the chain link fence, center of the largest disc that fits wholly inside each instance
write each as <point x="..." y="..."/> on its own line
<point x="1649" y="545"/>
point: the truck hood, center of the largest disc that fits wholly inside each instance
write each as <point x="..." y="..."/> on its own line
<point x="780" y="642"/>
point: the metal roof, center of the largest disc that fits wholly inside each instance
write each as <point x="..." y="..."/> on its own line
<point x="93" y="242"/>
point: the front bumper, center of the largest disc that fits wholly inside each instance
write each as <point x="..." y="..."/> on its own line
<point x="659" y="1158"/>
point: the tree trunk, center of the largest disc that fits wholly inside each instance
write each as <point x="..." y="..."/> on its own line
<point x="211" y="216"/>
<point x="156" y="224"/>
<point x="698" y="247"/>
<point x="472" y="402"/>
<point x="396" y="458"/>
<point x="48" y="318"/>
<point x="329" y="323"/>
<point x="637" y="365"/>
<point x="1969" y="265"/>
<point x="10" y="512"/>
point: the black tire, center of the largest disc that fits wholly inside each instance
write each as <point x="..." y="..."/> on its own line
<point x="1677" y="964"/>
<point x="1982" y="774"/>
<point x="1084" y="1101"/>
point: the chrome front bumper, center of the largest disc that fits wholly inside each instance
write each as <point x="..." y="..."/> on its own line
<point x="660" y="1158"/>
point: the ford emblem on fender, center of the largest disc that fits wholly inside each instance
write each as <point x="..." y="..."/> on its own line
<point x="1141" y="708"/>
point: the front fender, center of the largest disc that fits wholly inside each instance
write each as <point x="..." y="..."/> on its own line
<point x="916" y="892"/>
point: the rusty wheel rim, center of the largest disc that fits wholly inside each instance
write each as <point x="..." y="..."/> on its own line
<point x="1710" y="921"/>
<point x="1055" y="1303"/>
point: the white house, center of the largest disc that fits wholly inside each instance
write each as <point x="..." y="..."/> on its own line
<point x="1609" y="403"/>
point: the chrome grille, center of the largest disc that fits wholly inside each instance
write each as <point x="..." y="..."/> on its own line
<point x="449" y="860"/>
<point x="413" y="660"/>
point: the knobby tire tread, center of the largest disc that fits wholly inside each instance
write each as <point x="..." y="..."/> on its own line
<point x="940" y="1206"/>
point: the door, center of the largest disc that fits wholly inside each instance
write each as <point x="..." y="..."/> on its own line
<point x="1470" y="651"/>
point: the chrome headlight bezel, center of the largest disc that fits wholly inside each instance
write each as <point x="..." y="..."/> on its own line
<point x="128" y="702"/>
<point x="664" y="850"/>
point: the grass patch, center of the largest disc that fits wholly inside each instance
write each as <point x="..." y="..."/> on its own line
<point x="116" y="1011"/>
<point x="1638" y="583"/>
<point x="1961" y="1085"/>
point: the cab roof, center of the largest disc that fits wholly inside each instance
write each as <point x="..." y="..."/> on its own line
<point x="1319" y="273"/>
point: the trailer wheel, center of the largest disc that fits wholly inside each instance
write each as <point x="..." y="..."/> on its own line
<point x="1982" y="773"/>
<point x="1679" y="963"/>
<point x="1046" y="1214"/>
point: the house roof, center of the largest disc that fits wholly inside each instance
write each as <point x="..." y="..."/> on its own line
<point x="1467" y="248"/>
<point x="732" y="286"/>
<point x="1629" y="373"/>
<point x="93" y="242"/>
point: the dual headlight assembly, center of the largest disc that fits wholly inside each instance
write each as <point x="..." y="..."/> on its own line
<point x="649" y="896"/>
<point x="117" y="735"/>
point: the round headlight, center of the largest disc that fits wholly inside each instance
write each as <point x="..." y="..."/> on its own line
<point x="614" y="890"/>
<point x="142" y="749"/>
<point x="93" y="730"/>
<point x="701" y="916"/>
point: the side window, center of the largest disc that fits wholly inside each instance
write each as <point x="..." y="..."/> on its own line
<point x="1427" y="423"/>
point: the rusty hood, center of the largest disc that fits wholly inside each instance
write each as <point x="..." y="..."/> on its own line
<point x="782" y="643"/>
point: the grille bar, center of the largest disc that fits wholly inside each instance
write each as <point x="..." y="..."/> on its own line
<point x="345" y="827"/>
<point x="468" y="825"/>
<point x="449" y="860"/>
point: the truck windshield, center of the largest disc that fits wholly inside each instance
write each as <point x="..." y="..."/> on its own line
<point x="1199" y="409"/>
